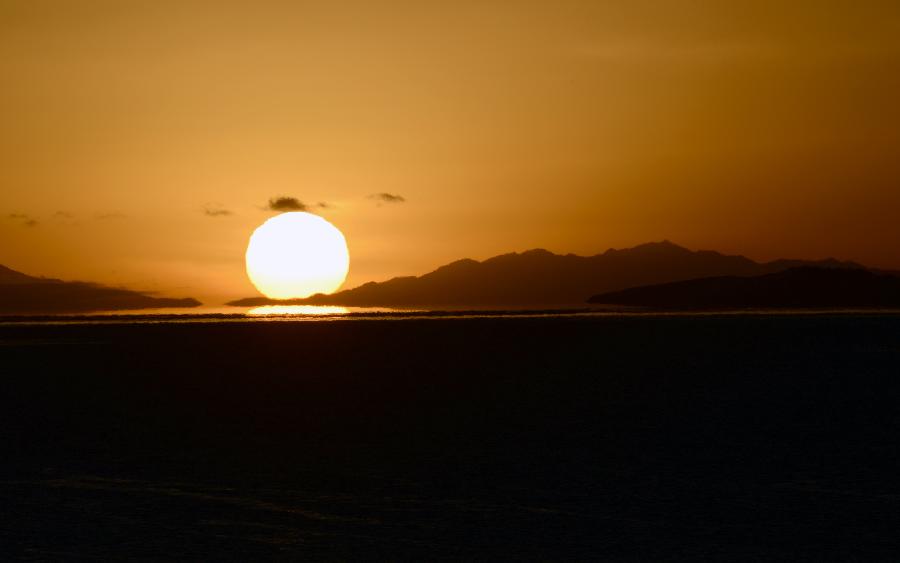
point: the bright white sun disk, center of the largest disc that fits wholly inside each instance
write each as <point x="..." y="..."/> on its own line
<point x="297" y="254"/>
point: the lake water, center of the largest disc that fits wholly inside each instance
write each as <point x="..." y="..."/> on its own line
<point x="452" y="436"/>
<point x="335" y="313"/>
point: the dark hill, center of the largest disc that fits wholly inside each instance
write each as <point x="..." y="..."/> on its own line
<point x="797" y="288"/>
<point x="541" y="278"/>
<point x="8" y="277"/>
<point x="24" y="294"/>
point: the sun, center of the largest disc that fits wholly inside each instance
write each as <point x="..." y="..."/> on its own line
<point x="297" y="254"/>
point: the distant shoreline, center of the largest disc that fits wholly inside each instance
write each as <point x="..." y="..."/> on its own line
<point x="437" y="314"/>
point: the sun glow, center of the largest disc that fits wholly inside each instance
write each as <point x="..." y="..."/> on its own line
<point x="302" y="310"/>
<point x="297" y="254"/>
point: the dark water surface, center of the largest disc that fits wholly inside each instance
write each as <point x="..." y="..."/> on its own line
<point x="621" y="438"/>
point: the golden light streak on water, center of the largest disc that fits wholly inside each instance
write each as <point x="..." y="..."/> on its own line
<point x="298" y="310"/>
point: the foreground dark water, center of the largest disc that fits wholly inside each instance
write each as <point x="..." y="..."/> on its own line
<point x="733" y="438"/>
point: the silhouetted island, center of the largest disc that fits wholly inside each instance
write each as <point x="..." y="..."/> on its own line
<point x="541" y="278"/>
<point x="796" y="288"/>
<point x="24" y="294"/>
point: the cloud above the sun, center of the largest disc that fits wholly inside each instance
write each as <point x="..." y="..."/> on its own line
<point x="385" y="197"/>
<point x="23" y="219"/>
<point x="286" y="203"/>
<point x="216" y="210"/>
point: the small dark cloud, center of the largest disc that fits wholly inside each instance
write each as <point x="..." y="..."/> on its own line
<point x="385" y="197"/>
<point x="63" y="215"/>
<point x="26" y="220"/>
<point x="215" y="210"/>
<point x="284" y="203"/>
<point x="324" y="205"/>
<point x="108" y="216"/>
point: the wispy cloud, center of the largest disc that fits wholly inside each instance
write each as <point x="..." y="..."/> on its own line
<point x="216" y="210"/>
<point x="109" y="216"/>
<point x="285" y="203"/>
<point x="385" y="197"/>
<point x="63" y="215"/>
<point x="23" y="219"/>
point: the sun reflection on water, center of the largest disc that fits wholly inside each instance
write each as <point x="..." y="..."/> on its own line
<point x="298" y="310"/>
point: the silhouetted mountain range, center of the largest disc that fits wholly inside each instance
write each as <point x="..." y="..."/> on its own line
<point x="794" y="288"/>
<point x="541" y="278"/>
<point x="21" y="293"/>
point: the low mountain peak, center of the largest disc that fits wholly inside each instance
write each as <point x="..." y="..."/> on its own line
<point x="537" y="252"/>
<point x="803" y="287"/>
<point x="457" y="265"/>
<point x="8" y="275"/>
<point x="5" y="270"/>
<point x="460" y="263"/>
<point x="664" y="244"/>
<point x="528" y="256"/>
<point x="24" y="294"/>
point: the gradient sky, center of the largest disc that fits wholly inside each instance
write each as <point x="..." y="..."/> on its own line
<point x="766" y="128"/>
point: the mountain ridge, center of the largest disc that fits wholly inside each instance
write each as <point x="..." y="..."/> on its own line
<point x="538" y="277"/>
<point x="24" y="294"/>
<point x="802" y="287"/>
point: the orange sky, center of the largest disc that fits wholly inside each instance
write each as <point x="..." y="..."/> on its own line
<point x="770" y="129"/>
